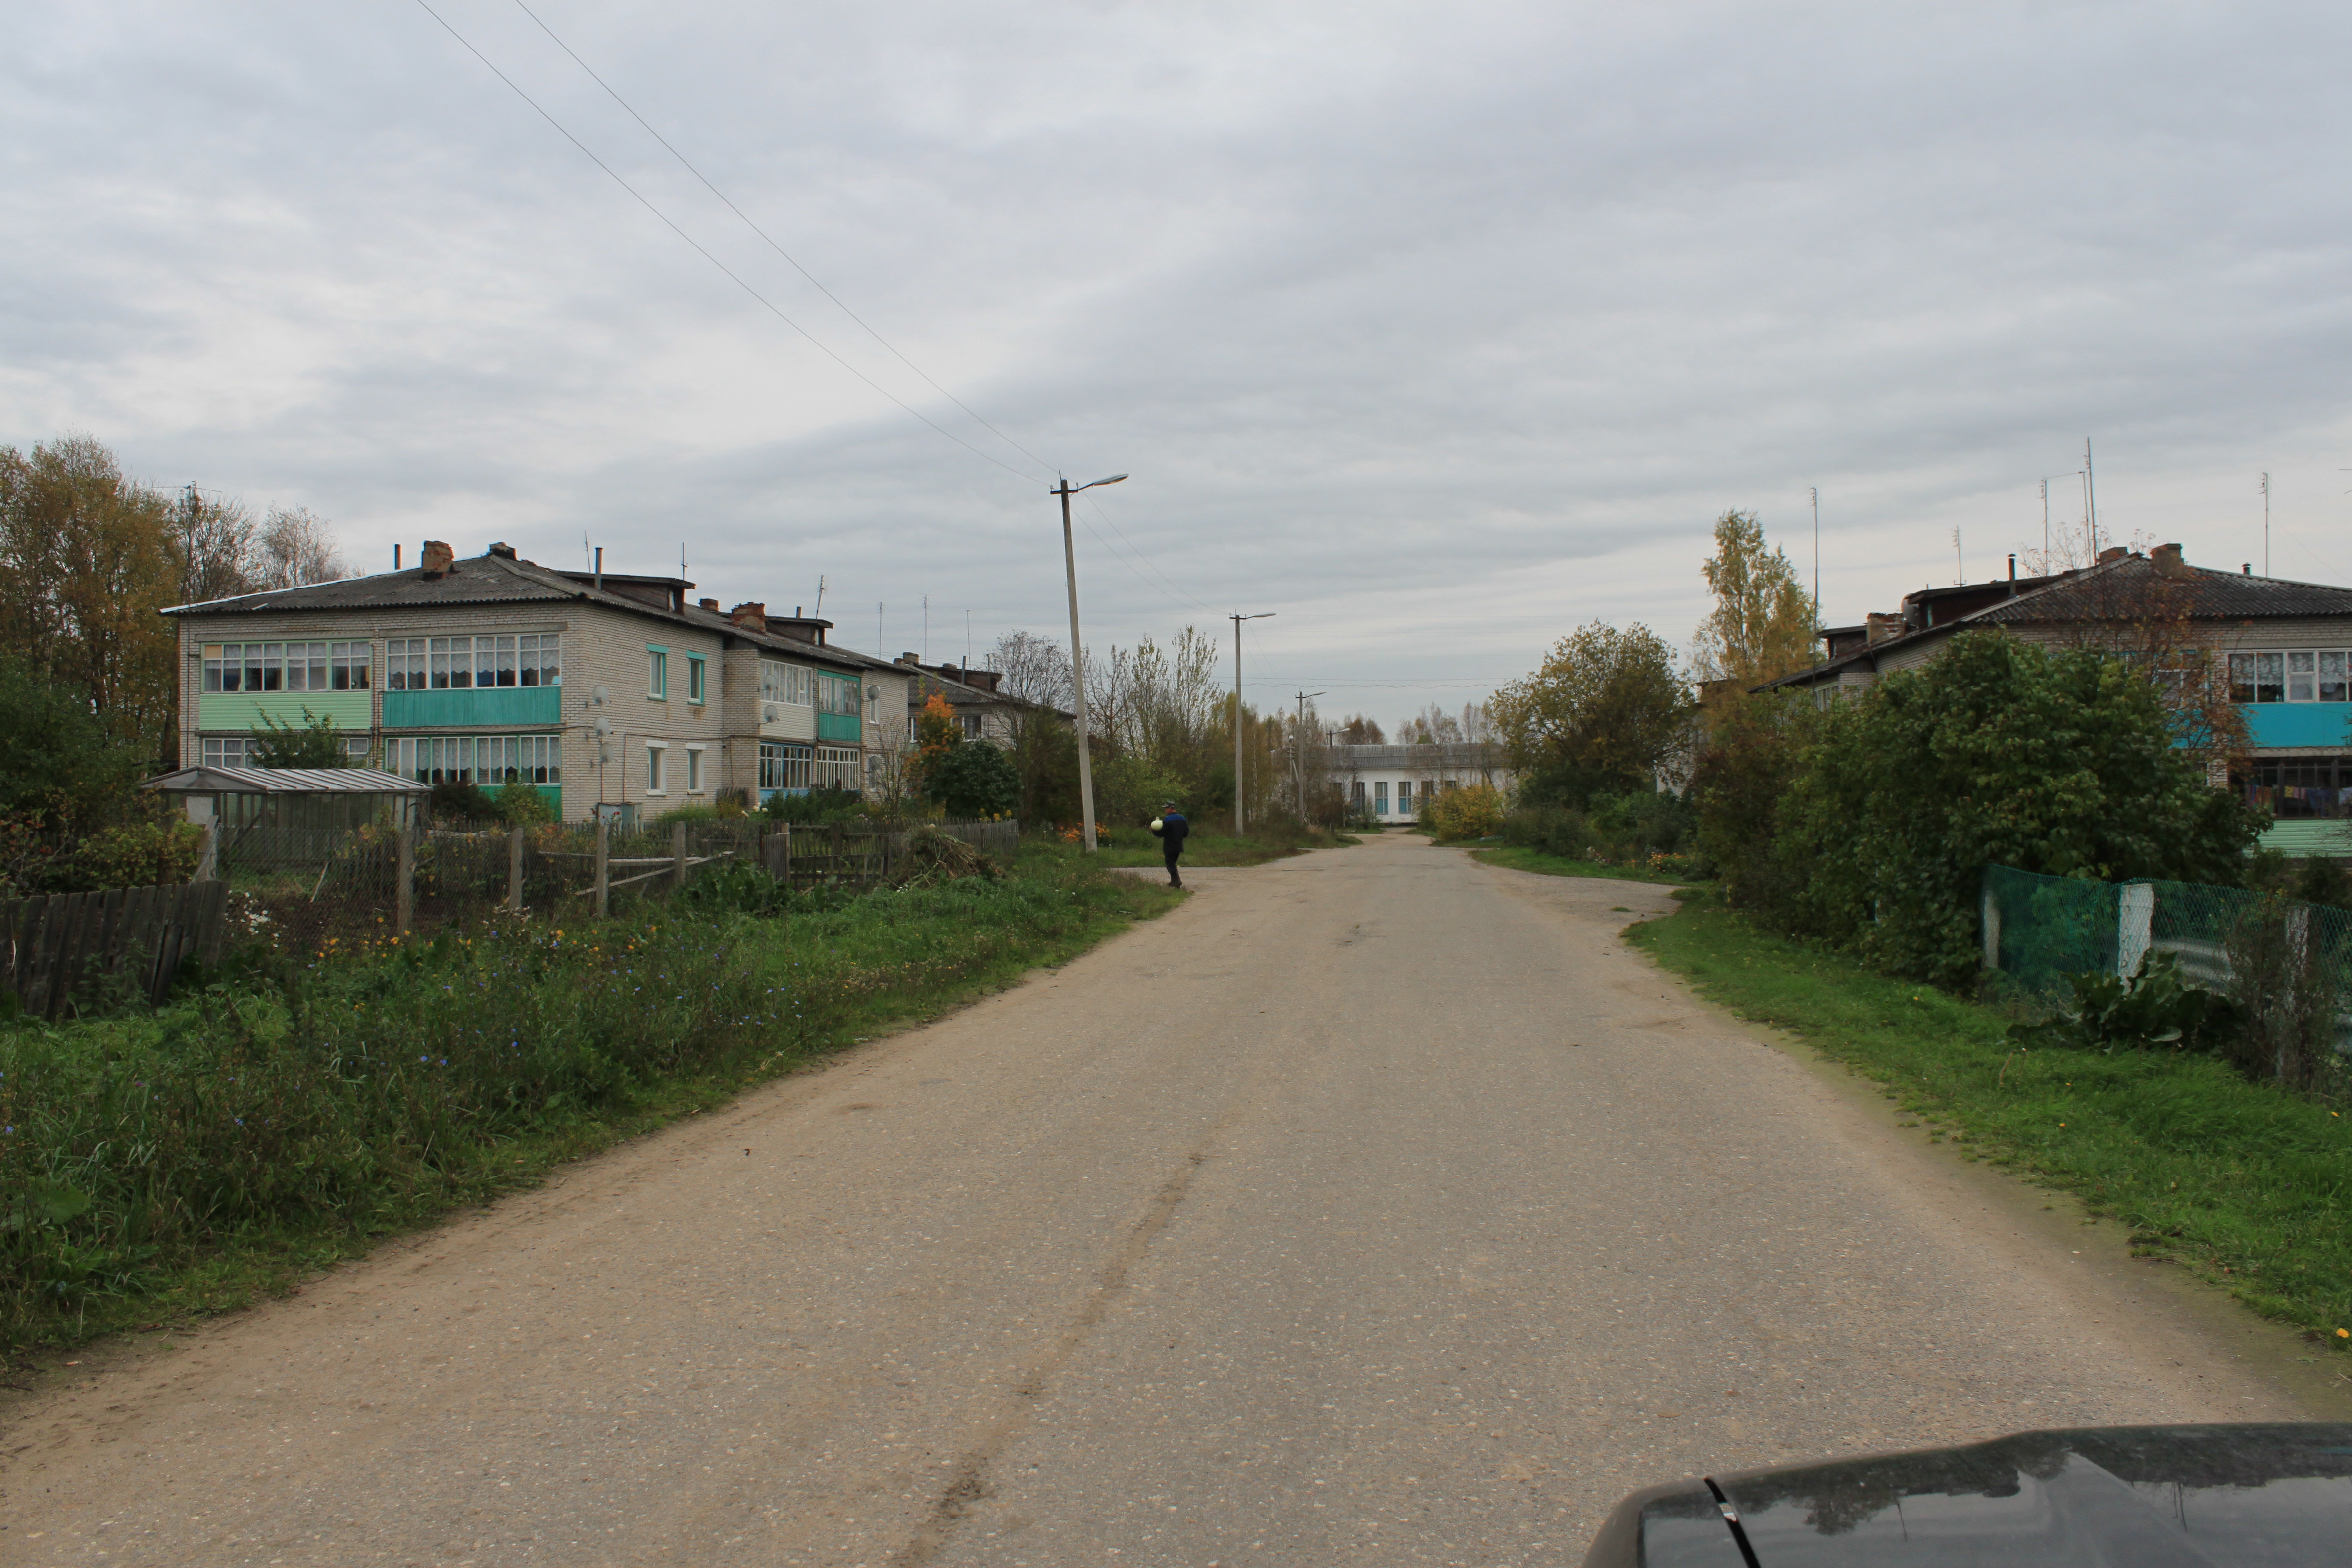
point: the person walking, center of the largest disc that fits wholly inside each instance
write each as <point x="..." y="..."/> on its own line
<point x="1172" y="828"/>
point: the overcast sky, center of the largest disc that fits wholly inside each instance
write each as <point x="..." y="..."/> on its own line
<point x="1437" y="329"/>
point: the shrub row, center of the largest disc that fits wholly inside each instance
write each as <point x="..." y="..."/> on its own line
<point x="363" y="1093"/>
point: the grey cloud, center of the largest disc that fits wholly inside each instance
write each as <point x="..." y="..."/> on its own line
<point x="1440" y="333"/>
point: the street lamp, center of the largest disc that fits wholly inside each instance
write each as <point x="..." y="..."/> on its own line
<point x="1237" y="620"/>
<point x="1078" y="654"/>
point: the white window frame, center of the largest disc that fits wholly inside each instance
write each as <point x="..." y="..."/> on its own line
<point x="656" y="767"/>
<point x="485" y="760"/>
<point x="2254" y="668"/>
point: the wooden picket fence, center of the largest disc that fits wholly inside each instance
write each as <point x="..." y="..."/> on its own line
<point x="67" y="949"/>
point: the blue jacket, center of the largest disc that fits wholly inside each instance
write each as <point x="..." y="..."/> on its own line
<point x="1171" y="829"/>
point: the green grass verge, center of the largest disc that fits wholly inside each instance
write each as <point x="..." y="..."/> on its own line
<point x="160" y="1163"/>
<point x="2244" y="1184"/>
<point x="1518" y="859"/>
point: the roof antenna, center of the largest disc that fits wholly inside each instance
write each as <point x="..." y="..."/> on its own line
<point x="2266" y="524"/>
<point x="819" y="596"/>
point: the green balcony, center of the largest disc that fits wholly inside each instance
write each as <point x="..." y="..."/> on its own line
<point x="502" y="707"/>
<point x="245" y="709"/>
<point x="837" y="727"/>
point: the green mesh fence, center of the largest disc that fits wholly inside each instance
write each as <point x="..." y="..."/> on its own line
<point x="2039" y="930"/>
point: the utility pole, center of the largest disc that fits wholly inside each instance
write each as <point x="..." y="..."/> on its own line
<point x="2045" y="527"/>
<point x="1079" y="655"/>
<point x="1237" y="619"/>
<point x="2266" y="524"/>
<point x="1298" y="754"/>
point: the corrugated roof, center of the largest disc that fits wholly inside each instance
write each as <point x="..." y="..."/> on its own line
<point x="208" y="780"/>
<point x="488" y="579"/>
<point x="2132" y="585"/>
<point x="2120" y="590"/>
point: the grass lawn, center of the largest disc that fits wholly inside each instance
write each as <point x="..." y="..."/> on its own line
<point x="160" y="1162"/>
<point x="1212" y="846"/>
<point x="1517" y="858"/>
<point x="2244" y="1184"/>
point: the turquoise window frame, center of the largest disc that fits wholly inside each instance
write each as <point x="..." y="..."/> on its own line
<point x="697" y="679"/>
<point x="657" y="673"/>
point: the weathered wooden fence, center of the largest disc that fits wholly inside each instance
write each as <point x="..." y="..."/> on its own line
<point x="69" y="949"/>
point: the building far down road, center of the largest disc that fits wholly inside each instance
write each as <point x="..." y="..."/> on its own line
<point x="1375" y="1207"/>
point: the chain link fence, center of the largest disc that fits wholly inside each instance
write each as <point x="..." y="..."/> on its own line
<point x="2286" y="964"/>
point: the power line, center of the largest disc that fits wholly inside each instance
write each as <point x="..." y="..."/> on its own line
<point x="1166" y="586"/>
<point x="771" y="242"/>
<point x="1177" y="593"/>
<point x="700" y="249"/>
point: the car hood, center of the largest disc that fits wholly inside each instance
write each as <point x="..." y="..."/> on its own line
<point x="2145" y="1497"/>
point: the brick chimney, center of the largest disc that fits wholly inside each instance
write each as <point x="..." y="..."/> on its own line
<point x="503" y="551"/>
<point x="711" y="605"/>
<point x="1882" y="627"/>
<point x="750" y="616"/>
<point x="2167" y="561"/>
<point x="2112" y="553"/>
<point x="436" y="560"/>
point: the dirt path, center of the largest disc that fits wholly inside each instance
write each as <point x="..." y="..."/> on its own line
<point x="1375" y="1207"/>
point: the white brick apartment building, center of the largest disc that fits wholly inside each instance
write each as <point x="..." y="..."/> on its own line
<point x="1387" y="784"/>
<point x="601" y="690"/>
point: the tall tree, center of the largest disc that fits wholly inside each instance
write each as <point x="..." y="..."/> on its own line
<point x="1600" y="714"/>
<point x="1762" y="624"/>
<point x="1033" y="668"/>
<point x="86" y="561"/>
<point x="212" y="539"/>
<point x="293" y="548"/>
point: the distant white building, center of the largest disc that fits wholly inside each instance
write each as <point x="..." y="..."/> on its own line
<point x="1387" y="784"/>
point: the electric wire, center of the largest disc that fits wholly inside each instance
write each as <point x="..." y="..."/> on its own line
<point x="1174" y="592"/>
<point x="1166" y="586"/>
<point x="731" y="274"/>
<point x="770" y="241"/>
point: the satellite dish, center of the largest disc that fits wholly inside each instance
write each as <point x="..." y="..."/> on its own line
<point x="872" y="692"/>
<point x="768" y="714"/>
<point x="599" y="696"/>
<point x="600" y="725"/>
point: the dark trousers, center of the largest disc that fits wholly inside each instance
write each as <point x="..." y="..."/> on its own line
<point x="1168" y="852"/>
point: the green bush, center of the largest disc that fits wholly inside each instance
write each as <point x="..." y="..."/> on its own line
<point x="1467" y="811"/>
<point x="974" y="780"/>
<point x="1553" y="829"/>
<point x="2000" y="751"/>
<point x="523" y="802"/>
<point x="816" y="806"/>
<point x="2153" y="1007"/>
<point x="315" y="743"/>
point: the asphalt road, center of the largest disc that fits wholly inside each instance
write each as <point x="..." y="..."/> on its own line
<point x="1373" y="1207"/>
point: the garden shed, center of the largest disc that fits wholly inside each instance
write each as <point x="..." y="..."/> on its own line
<point x="261" y="815"/>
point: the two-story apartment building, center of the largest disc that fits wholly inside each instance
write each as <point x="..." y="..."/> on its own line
<point x="2287" y="648"/>
<point x="604" y="690"/>
<point x="983" y="710"/>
